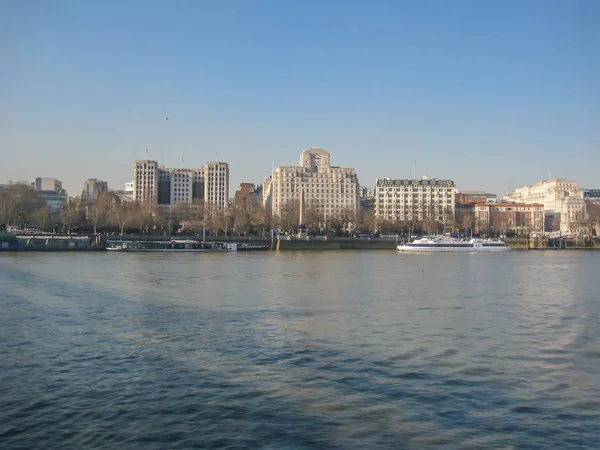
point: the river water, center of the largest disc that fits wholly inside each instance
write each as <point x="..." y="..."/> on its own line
<point x="300" y="350"/>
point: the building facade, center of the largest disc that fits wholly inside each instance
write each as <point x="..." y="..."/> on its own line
<point x="591" y="195"/>
<point x="412" y="200"/>
<point x="246" y="196"/>
<point x="470" y="197"/>
<point x="52" y="192"/>
<point x="508" y="217"/>
<point x="145" y="181"/>
<point x="92" y="188"/>
<point x="216" y="183"/>
<point x="155" y="183"/>
<point x="325" y="188"/>
<point x="559" y="196"/>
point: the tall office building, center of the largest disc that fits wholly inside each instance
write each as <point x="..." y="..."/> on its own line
<point x="404" y="200"/>
<point x="328" y="189"/>
<point x="216" y="183"/>
<point x="145" y="181"/>
<point x="155" y="183"/>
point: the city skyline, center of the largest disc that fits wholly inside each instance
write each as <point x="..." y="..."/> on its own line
<point x="491" y="95"/>
<point x="415" y="175"/>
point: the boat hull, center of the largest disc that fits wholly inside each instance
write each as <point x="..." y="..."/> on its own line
<point x="432" y="249"/>
<point x="253" y="248"/>
<point x="174" y="246"/>
<point x="169" y="250"/>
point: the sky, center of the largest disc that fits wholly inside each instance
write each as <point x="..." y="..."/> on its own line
<point x="492" y="94"/>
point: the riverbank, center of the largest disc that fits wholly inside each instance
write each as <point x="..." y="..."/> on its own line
<point x="11" y="242"/>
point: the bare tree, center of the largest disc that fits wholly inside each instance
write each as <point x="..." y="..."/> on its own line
<point x="72" y="215"/>
<point x="314" y="219"/>
<point x="289" y="216"/>
<point x="243" y="224"/>
<point x="17" y="204"/>
<point x="500" y="221"/>
<point x="449" y="219"/>
<point x="149" y="218"/>
<point x="124" y="214"/>
<point x="212" y="218"/>
<point x="197" y="214"/>
<point x="335" y="223"/>
<point x="465" y="219"/>
<point x="593" y="217"/>
<point x="97" y="210"/>
<point x="348" y="216"/>
<point x="41" y="216"/>
<point x="179" y="216"/>
<point x="260" y="218"/>
<point x="7" y="208"/>
<point x="366" y="221"/>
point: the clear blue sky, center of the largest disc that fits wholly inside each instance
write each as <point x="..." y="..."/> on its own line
<point x="493" y="94"/>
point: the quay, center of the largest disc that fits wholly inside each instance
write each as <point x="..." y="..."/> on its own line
<point x="98" y="242"/>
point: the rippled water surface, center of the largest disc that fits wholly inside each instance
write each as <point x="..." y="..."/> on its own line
<point x="300" y="350"/>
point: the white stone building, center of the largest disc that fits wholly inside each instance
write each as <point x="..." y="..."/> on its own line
<point x="559" y="196"/>
<point x="155" y="183"/>
<point x="216" y="183"/>
<point x="328" y="189"/>
<point x="408" y="200"/>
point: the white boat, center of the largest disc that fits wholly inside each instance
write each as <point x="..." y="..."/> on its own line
<point x="449" y="244"/>
<point x="174" y="245"/>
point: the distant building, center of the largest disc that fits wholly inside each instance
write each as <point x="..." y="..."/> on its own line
<point x="92" y="188"/>
<point x="246" y="196"/>
<point x="153" y="182"/>
<point x="216" y="183"/>
<point x="366" y="199"/>
<point x="469" y="197"/>
<point x="365" y="192"/>
<point x="51" y="191"/>
<point x="267" y="195"/>
<point x="47" y="184"/>
<point x="126" y="195"/>
<point x="408" y="200"/>
<point x="328" y="189"/>
<point x="559" y="196"/>
<point x="591" y="195"/>
<point x="508" y="217"/>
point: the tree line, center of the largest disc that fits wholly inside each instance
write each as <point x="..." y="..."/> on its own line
<point x="22" y="207"/>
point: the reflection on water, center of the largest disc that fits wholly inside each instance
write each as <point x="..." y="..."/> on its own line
<point x="300" y="350"/>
